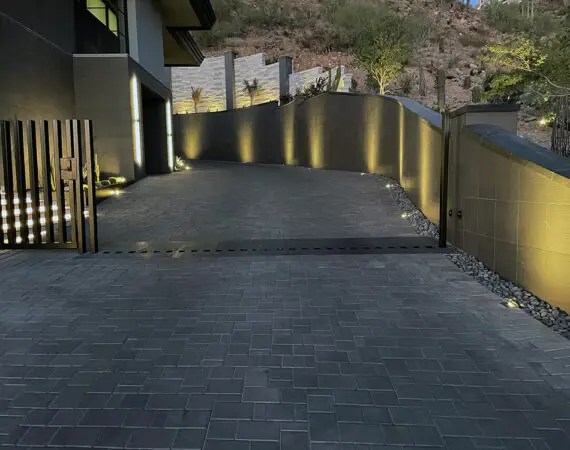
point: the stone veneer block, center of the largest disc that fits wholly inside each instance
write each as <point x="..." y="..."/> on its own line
<point x="212" y="77"/>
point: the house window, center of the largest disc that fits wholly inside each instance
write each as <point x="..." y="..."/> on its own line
<point x="112" y="14"/>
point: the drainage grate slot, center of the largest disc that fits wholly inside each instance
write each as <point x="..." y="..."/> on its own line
<point x="330" y="246"/>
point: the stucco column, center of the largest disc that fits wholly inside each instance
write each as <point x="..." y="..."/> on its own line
<point x="229" y="65"/>
<point x="285" y="69"/>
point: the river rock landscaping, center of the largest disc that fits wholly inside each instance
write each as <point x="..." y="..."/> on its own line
<point x="512" y="295"/>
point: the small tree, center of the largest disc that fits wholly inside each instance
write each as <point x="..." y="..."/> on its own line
<point x="196" y="97"/>
<point x="383" y="48"/>
<point x="251" y="89"/>
<point x="544" y="70"/>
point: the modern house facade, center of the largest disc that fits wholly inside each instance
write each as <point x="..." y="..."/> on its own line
<point x="104" y="60"/>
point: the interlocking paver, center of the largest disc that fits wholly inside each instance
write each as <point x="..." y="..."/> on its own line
<point x="339" y="352"/>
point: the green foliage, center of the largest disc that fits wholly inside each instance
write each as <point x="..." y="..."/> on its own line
<point x="383" y="47"/>
<point x="524" y="61"/>
<point x="313" y="89"/>
<point x="285" y="99"/>
<point x="503" y="87"/>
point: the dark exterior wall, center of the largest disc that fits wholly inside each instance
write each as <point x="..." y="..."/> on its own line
<point x="514" y="217"/>
<point x="52" y="19"/>
<point x="102" y="86"/>
<point x="332" y="131"/>
<point x="36" y="79"/>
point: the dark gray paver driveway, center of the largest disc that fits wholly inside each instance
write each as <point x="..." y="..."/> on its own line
<point x="359" y="352"/>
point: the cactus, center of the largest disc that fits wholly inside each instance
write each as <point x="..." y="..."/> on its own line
<point x="440" y="80"/>
<point x="441" y="44"/>
<point x="332" y="85"/>
<point x="422" y="82"/>
<point x="353" y="85"/>
<point x="476" y="94"/>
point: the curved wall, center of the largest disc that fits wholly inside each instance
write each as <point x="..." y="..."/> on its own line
<point x="360" y="133"/>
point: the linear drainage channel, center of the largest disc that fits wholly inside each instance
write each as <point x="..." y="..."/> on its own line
<point x="272" y="247"/>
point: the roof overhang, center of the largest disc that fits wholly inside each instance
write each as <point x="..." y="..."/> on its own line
<point x="178" y="18"/>
<point x="188" y="14"/>
<point x="180" y="48"/>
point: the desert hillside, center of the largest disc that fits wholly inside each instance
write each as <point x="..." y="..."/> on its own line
<point x="449" y="36"/>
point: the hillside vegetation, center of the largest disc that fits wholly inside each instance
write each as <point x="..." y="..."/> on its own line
<point x="501" y="53"/>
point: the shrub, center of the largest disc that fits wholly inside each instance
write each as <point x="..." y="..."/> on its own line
<point x="453" y="61"/>
<point x="504" y="87"/>
<point x="472" y="40"/>
<point x="313" y="89"/>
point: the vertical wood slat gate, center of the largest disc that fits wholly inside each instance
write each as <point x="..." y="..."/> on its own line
<point x="47" y="185"/>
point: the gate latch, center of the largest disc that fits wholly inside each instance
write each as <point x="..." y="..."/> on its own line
<point x="67" y="167"/>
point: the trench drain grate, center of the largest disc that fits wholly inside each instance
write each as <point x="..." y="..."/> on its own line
<point x="268" y="247"/>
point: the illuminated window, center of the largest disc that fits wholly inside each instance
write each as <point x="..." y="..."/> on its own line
<point x="106" y="13"/>
<point x="99" y="9"/>
<point x="112" y="24"/>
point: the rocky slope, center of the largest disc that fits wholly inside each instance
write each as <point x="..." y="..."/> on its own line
<point x="299" y="28"/>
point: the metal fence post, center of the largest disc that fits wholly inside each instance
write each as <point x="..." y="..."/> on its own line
<point x="444" y="179"/>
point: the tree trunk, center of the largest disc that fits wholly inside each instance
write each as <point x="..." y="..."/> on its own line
<point x="195" y="107"/>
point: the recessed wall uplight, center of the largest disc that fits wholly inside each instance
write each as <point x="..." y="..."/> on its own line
<point x="136" y="117"/>
<point x="169" y="143"/>
<point x="510" y="303"/>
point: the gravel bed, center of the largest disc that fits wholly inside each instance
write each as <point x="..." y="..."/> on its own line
<point x="512" y="295"/>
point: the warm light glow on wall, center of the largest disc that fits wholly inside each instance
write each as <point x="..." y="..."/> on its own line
<point x="193" y="141"/>
<point x="372" y="127"/>
<point x="289" y="134"/>
<point x="245" y="132"/>
<point x="136" y="116"/>
<point x="316" y="130"/>
<point x="401" y="144"/>
<point x="169" y="143"/>
<point x="424" y="172"/>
